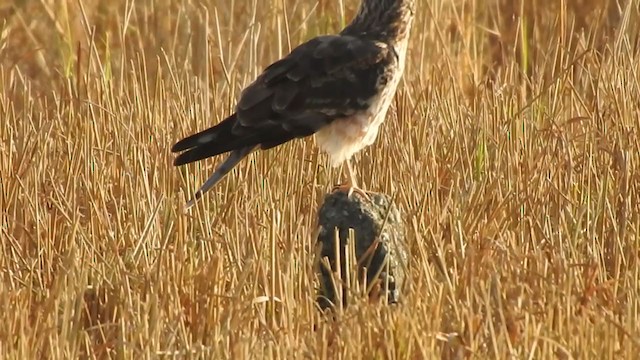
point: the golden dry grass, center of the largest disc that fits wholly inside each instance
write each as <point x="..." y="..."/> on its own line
<point x="512" y="149"/>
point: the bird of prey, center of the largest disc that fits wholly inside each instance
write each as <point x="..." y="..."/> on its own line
<point x="337" y="87"/>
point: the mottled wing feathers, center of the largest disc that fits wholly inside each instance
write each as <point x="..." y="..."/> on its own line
<point x="325" y="78"/>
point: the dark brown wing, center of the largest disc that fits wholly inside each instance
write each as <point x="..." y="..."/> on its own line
<point x="326" y="78"/>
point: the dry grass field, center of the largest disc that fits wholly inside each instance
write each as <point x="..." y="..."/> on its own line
<point x="512" y="150"/>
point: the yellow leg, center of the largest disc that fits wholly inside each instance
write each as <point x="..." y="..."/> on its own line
<point x="352" y="184"/>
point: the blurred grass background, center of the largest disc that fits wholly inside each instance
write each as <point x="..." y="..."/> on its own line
<point x="511" y="147"/>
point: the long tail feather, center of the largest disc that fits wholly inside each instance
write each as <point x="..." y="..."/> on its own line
<point x="220" y="131"/>
<point x="214" y="141"/>
<point x="231" y="161"/>
<point x="206" y="151"/>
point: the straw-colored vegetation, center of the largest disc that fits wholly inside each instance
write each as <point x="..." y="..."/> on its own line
<point x="511" y="149"/>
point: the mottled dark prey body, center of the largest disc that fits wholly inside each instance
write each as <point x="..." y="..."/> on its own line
<point x="338" y="87"/>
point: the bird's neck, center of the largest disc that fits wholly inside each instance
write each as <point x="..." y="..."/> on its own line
<point x="383" y="20"/>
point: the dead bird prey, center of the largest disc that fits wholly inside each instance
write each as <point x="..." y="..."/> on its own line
<point x="338" y="87"/>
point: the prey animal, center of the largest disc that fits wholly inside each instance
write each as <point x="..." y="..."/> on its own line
<point x="336" y="87"/>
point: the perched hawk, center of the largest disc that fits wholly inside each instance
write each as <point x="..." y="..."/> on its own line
<point x="337" y="87"/>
